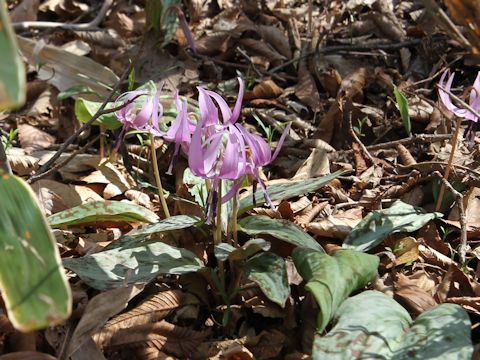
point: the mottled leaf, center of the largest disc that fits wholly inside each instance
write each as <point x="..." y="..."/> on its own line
<point x="225" y="251"/>
<point x="400" y="217"/>
<point x="172" y="223"/>
<point x="372" y="325"/>
<point x="331" y="278"/>
<point x="269" y="272"/>
<point x="135" y="261"/>
<point x="12" y="70"/>
<point x="281" y="229"/>
<point x="97" y="211"/>
<point x="32" y="280"/>
<point x="285" y="191"/>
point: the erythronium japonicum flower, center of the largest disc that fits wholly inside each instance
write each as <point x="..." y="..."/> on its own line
<point x="180" y="132"/>
<point x="223" y="149"/>
<point x="138" y="116"/>
<point x="473" y="101"/>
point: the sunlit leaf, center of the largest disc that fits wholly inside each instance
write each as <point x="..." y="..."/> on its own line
<point x="32" y="280"/>
<point x="332" y="278"/>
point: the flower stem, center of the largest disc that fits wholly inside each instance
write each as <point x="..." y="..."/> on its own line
<point x="157" y="177"/>
<point x="218" y="231"/>
<point x="449" y="165"/>
<point x="234" y="220"/>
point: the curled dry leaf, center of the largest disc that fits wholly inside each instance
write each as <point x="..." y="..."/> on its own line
<point x="306" y="89"/>
<point x="259" y="48"/>
<point x="32" y="138"/>
<point x="266" y="89"/>
<point x="162" y="335"/>
<point x="26" y="10"/>
<point x="277" y="39"/>
<point x="411" y="296"/>
<point x="336" y="226"/>
<point x="151" y="310"/>
<point x="21" y="163"/>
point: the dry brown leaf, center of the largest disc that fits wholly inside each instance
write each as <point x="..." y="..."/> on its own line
<point x="32" y="138"/>
<point x="306" y="90"/>
<point x="385" y="19"/>
<point x="266" y="89"/>
<point x="98" y="310"/>
<point x="21" y="163"/>
<point x="166" y="337"/>
<point x="277" y="39"/>
<point x="266" y="345"/>
<point x="55" y="196"/>
<point x="26" y="10"/>
<point x="151" y="310"/>
<point x="259" y="48"/>
<point x="415" y="299"/>
<point x="336" y="226"/>
<point x="317" y="164"/>
<point x="88" y="351"/>
<point x="121" y="23"/>
<point x="213" y="44"/>
<point x="406" y="251"/>
<point x="27" y="355"/>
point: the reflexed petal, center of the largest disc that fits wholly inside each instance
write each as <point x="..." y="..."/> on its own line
<point x="222" y="104"/>
<point x="208" y="110"/>
<point x="238" y="104"/>
<point x="281" y="141"/>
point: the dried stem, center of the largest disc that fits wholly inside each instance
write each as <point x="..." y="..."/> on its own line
<point x="462" y="253"/>
<point x="158" y="181"/>
<point x="449" y="164"/>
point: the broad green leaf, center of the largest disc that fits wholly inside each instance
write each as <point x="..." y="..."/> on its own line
<point x="224" y="251"/>
<point x="134" y="262"/>
<point x="85" y="109"/>
<point x="269" y="272"/>
<point x="97" y="211"/>
<point x="172" y="223"/>
<point x="281" y="229"/>
<point x="332" y="278"/>
<point x="440" y="333"/>
<point x="32" y="280"/>
<point x="372" y="325"/>
<point x="75" y="91"/>
<point x="285" y="191"/>
<point x="402" y="105"/>
<point x="400" y="217"/>
<point x="12" y="70"/>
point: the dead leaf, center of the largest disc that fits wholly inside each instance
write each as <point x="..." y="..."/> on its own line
<point x="266" y="89"/>
<point x="98" y="310"/>
<point x="306" y="89"/>
<point x="317" y="164"/>
<point x="150" y="310"/>
<point x="336" y="226"/>
<point x="405" y="250"/>
<point x="21" y="163"/>
<point x="27" y="355"/>
<point x="415" y="299"/>
<point x="26" y="10"/>
<point x="32" y="138"/>
<point x="277" y="39"/>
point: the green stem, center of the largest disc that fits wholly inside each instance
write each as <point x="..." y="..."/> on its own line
<point x="157" y="177"/>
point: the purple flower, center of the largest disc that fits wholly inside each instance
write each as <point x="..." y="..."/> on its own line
<point x="134" y="115"/>
<point x="180" y="132"/>
<point x="223" y="149"/>
<point x="473" y="101"/>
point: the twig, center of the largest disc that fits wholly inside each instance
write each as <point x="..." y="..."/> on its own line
<point x="25" y="25"/>
<point x="410" y="140"/>
<point x="101" y="111"/>
<point x="349" y="48"/>
<point x="66" y="161"/>
<point x="463" y="220"/>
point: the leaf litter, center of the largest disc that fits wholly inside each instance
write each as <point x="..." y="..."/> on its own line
<point x="356" y="80"/>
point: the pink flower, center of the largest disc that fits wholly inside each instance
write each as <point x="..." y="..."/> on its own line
<point x="133" y="115"/>
<point x="473" y="101"/>
<point x="223" y="149"/>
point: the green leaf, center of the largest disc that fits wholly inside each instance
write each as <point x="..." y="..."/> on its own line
<point x="372" y="325"/>
<point x="281" y="229"/>
<point x="74" y="91"/>
<point x="331" y="279"/>
<point x="32" y="280"/>
<point x="85" y="109"/>
<point x="400" y="217"/>
<point x="285" y="191"/>
<point x="269" y="272"/>
<point x="97" y="211"/>
<point x="172" y="223"/>
<point x="224" y="251"/>
<point x="134" y="262"/>
<point x="402" y="105"/>
<point x="12" y="70"/>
